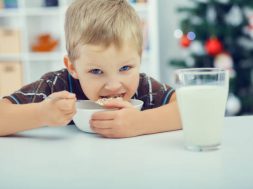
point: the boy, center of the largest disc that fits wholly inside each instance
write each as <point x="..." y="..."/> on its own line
<point x="104" y="46"/>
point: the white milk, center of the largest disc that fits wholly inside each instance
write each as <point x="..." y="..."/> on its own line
<point x="202" y="110"/>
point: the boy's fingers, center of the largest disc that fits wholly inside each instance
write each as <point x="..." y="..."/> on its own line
<point x="62" y="95"/>
<point x="70" y="112"/>
<point x="67" y="104"/>
<point x="70" y="115"/>
<point x="101" y="124"/>
<point x="105" y="115"/>
<point x="116" y="103"/>
<point x="102" y="132"/>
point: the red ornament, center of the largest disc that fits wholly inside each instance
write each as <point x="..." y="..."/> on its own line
<point x="213" y="46"/>
<point x="184" y="41"/>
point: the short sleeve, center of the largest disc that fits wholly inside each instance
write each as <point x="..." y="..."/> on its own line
<point x="40" y="89"/>
<point x="153" y="93"/>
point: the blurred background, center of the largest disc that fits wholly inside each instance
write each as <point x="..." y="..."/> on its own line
<point x="177" y="34"/>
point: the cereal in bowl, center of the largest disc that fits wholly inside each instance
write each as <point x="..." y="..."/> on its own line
<point x="102" y="101"/>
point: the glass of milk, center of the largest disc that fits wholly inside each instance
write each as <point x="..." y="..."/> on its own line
<point x="202" y="95"/>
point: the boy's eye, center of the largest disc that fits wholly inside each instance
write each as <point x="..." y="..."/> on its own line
<point x="96" y="71"/>
<point x="125" y="68"/>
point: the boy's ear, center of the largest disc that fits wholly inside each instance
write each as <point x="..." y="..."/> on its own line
<point x="70" y="67"/>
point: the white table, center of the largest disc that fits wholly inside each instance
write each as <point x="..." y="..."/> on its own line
<point x="66" y="158"/>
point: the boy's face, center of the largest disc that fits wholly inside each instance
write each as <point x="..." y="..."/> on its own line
<point x="107" y="72"/>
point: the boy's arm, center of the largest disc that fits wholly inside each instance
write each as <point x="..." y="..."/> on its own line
<point x="129" y="122"/>
<point x="15" y="118"/>
<point x="55" y="111"/>
<point x="161" y="119"/>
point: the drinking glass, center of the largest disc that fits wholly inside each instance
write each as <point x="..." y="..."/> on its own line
<point x="202" y="95"/>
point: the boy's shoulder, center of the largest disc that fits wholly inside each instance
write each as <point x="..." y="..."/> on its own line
<point x="38" y="90"/>
<point x="63" y="73"/>
<point x="146" y="80"/>
<point x="152" y="92"/>
<point x="55" y="80"/>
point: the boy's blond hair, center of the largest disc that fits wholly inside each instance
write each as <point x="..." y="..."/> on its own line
<point x="101" y="22"/>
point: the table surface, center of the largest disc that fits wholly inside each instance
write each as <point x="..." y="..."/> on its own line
<point x="68" y="158"/>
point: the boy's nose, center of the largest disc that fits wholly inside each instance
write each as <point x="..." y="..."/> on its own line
<point x="113" y="86"/>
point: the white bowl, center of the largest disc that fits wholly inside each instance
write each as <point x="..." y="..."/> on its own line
<point x="85" y="109"/>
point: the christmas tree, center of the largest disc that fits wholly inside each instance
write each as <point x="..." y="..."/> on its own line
<point x="219" y="33"/>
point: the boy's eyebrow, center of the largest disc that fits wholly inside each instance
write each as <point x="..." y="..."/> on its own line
<point x="129" y="60"/>
<point x="92" y="63"/>
<point x="95" y="64"/>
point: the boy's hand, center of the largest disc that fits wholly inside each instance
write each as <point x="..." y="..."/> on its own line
<point x="58" y="109"/>
<point x="115" y="123"/>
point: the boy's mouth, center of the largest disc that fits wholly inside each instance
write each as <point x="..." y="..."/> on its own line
<point x="114" y="96"/>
